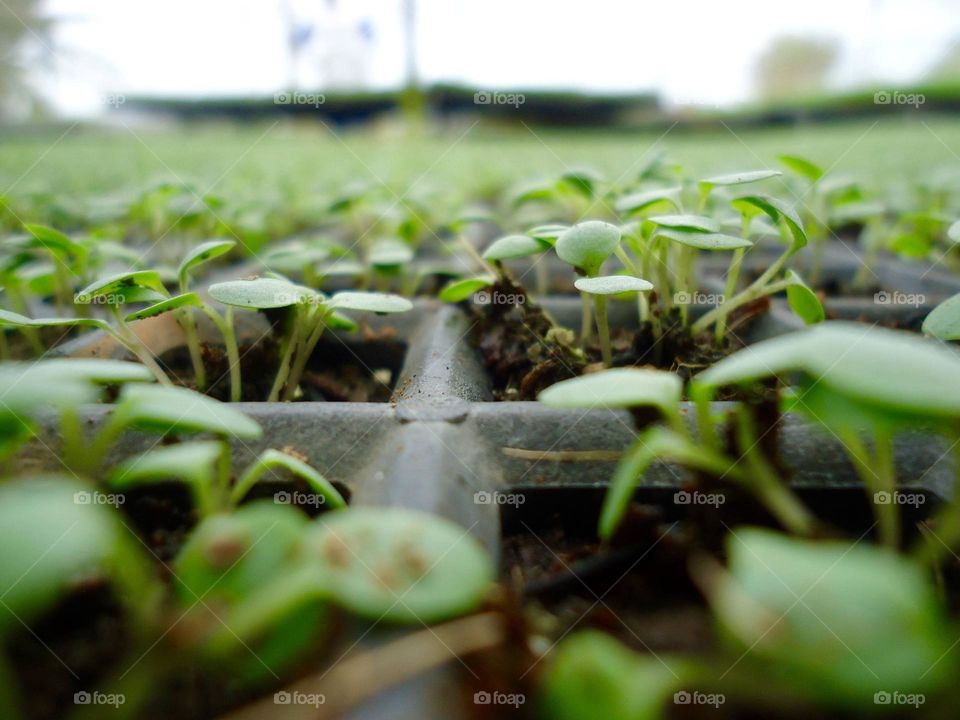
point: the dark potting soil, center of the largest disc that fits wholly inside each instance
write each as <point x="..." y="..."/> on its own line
<point x="364" y="371"/>
<point x="524" y="352"/>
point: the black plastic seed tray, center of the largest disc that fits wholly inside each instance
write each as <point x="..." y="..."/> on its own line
<point x="444" y="446"/>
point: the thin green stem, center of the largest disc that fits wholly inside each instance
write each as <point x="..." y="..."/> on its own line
<point x="304" y="353"/>
<point x="189" y="325"/>
<point x="284" y="370"/>
<point x="763" y="480"/>
<point x="227" y="331"/>
<point x="603" y="329"/>
<point x="586" y="319"/>
<point x="878" y="476"/>
<point x="733" y="275"/>
<point x="128" y="338"/>
<point x="743" y="298"/>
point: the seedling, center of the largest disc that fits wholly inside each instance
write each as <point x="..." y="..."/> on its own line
<point x="943" y="322"/>
<point x="205" y="468"/>
<point x="64" y="385"/>
<point x="586" y="246"/>
<point x="672" y="440"/>
<point x="311" y="312"/>
<point x="852" y="379"/>
<point x="810" y="621"/>
<point x="857" y="602"/>
<point x="599" y="288"/>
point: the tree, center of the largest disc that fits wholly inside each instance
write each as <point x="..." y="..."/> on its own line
<point x="794" y="65"/>
<point x="24" y="41"/>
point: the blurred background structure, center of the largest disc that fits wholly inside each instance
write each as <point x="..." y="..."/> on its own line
<point x="609" y="61"/>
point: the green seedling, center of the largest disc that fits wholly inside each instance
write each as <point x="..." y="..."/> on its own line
<point x="200" y="255"/>
<point x="671" y="439"/>
<point x="274" y="573"/>
<point x="943" y="322"/>
<point x="823" y="616"/>
<point x="399" y="565"/>
<point x="851" y="380"/>
<point x="157" y="409"/>
<point x="390" y="258"/>
<point x="802" y="300"/>
<point x="586" y="246"/>
<point x="591" y="675"/>
<point x="64" y="385"/>
<point x="311" y="312"/>
<point x="251" y="565"/>
<point x="811" y="623"/>
<point x="53" y="541"/>
<point x="459" y="290"/>
<point x="600" y="288"/>
<point x="205" y="467"/>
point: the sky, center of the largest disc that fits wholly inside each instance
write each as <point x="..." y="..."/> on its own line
<point x="690" y="51"/>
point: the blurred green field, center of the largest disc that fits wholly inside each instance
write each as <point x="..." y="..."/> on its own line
<point x="284" y="159"/>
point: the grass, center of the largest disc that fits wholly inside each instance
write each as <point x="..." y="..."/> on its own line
<point x="291" y="160"/>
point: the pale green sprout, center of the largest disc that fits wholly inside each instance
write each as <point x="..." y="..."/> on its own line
<point x="943" y="322"/>
<point x="602" y="286"/>
<point x="312" y="313"/>
<point x="586" y="246"/>
<point x="673" y="441"/>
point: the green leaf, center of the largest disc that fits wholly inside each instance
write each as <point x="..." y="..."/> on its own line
<point x="338" y="321"/>
<point x="400" y="565"/>
<point x="640" y="201"/>
<point x="866" y="364"/>
<point x="261" y="293"/>
<point x="617" y="388"/>
<point x="698" y="223"/>
<point x="583" y="181"/>
<point x="54" y="240"/>
<point x="855" y="212"/>
<point x="190" y="299"/>
<point x="588" y="244"/>
<point x="202" y="253"/>
<point x="460" y="290"/>
<point x="390" y="253"/>
<point x="270" y="460"/>
<point x="804" y="301"/>
<point x="776" y="209"/>
<point x="53" y="538"/>
<point x="706" y="240"/>
<point x="825" y="615"/>
<point x="191" y="462"/>
<point x="591" y="675"/>
<point x="515" y="246"/>
<point x="171" y="409"/>
<point x="802" y="167"/>
<point x="17" y="320"/>
<point x="547" y="233"/>
<point x="62" y="383"/>
<point x="370" y="302"/>
<point x="115" y="285"/>
<point x="741" y="178"/>
<point x="612" y="285"/>
<point x="655" y="443"/>
<point x="228" y="558"/>
<point x="943" y="322"/>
